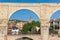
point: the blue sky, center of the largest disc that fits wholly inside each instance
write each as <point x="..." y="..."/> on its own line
<point x="31" y="1"/>
<point x="24" y="15"/>
<point x="56" y="15"/>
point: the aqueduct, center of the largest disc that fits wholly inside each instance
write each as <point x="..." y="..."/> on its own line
<point x="43" y="10"/>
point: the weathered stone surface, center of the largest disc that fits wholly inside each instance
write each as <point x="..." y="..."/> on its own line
<point x="43" y="10"/>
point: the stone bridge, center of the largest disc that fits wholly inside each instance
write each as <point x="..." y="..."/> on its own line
<point x="43" y="10"/>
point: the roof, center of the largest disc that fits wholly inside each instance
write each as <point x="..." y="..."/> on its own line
<point x="18" y="20"/>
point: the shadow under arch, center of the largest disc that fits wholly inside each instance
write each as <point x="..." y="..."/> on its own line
<point x="20" y="11"/>
<point x="24" y="38"/>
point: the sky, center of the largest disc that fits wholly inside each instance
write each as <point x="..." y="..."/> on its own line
<point x="31" y="1"/>
<point x="56" y="15"/>
<point x="24" y="15"/>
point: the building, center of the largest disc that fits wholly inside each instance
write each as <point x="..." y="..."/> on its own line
<point x="55" y="26"/>
<point x="17" y="23"/>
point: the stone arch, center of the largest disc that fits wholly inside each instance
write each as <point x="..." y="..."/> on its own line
<point x="54" y="23"/>
<point x="26" y="9"/>
<point x="53" y="12"/>
<point x="24" y="38"/>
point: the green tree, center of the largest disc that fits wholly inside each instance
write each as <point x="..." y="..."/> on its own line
<point x="27" y="28"/>
<point x="30" y="27"/>
<point x="36" y="23"/>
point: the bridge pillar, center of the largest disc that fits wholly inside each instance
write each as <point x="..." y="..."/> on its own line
<point x="45" y="29"/>
<point x="3" y="28"/>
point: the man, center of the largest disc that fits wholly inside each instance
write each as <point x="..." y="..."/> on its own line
<point x="15" y="30"/>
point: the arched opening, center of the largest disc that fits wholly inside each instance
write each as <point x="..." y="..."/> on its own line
<point x="55" y="23"/>
<point x="24" y="38"/>
<point x="24" y="21"/>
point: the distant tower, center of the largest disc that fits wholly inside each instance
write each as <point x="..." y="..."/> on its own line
<point x="30" y="20"/>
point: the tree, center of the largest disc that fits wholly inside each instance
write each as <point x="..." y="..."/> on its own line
<point x="27" y="28"/>
<point x="30" y="27"/>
